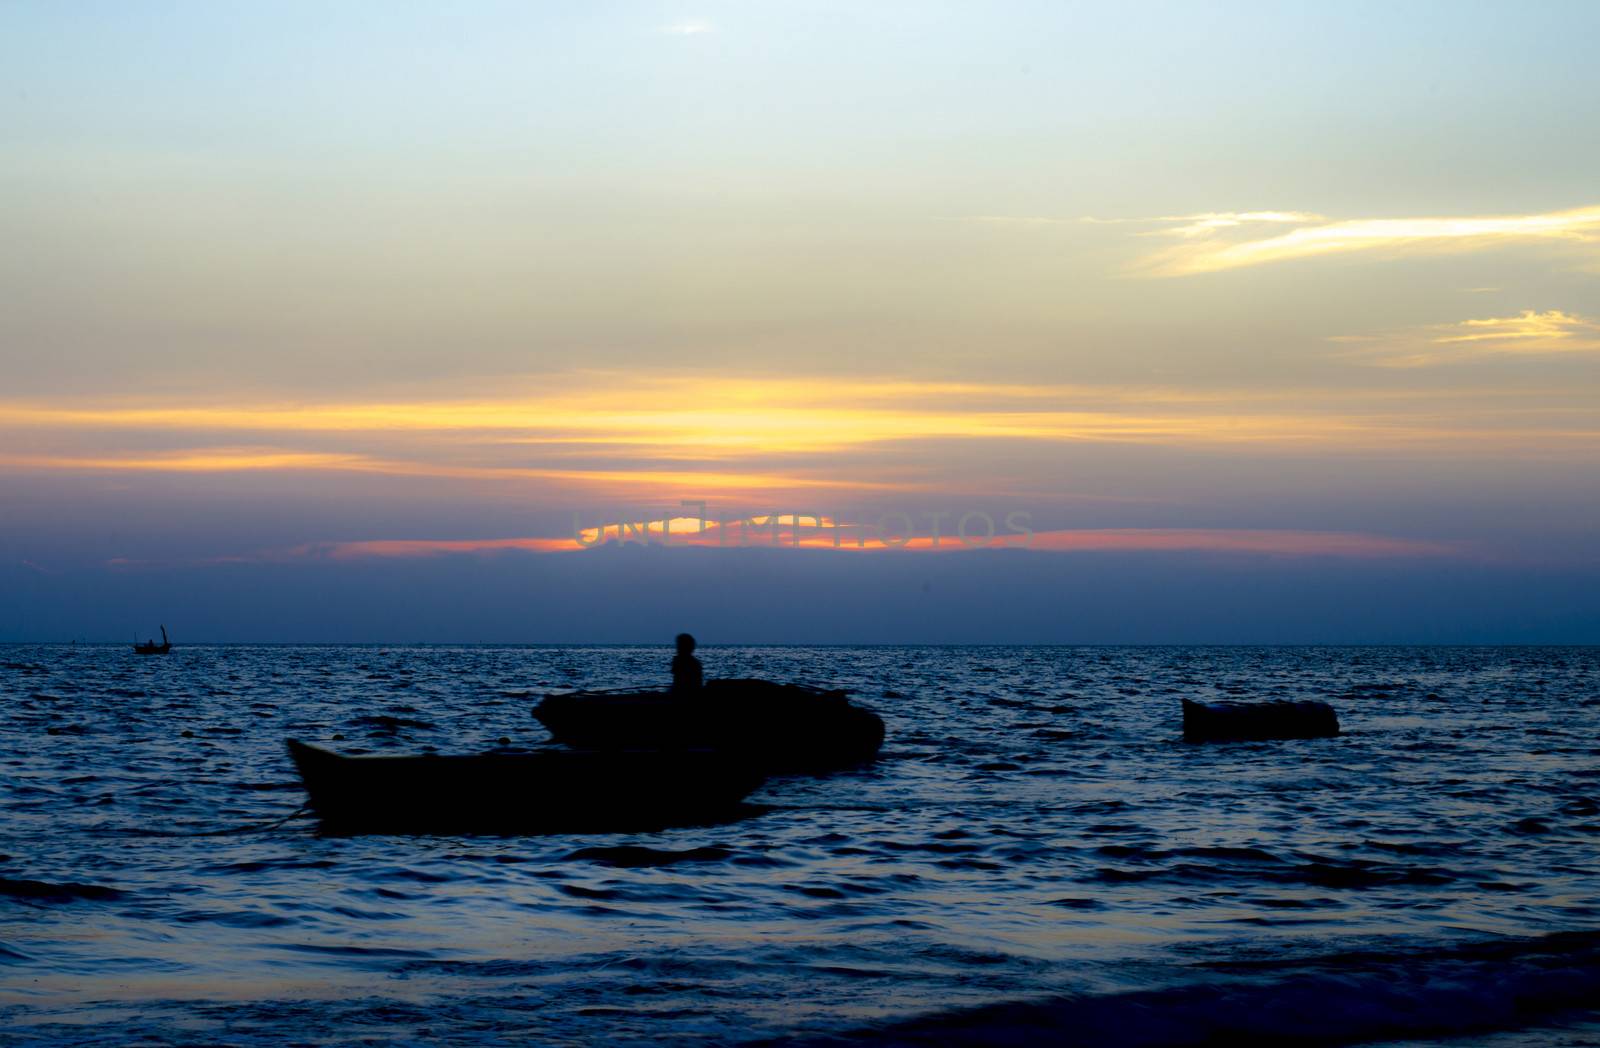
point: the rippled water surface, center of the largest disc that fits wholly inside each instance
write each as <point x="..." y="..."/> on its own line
<point x="1035" y="830"/>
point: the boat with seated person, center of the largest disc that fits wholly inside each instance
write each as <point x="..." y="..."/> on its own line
<point x="783" y="728"/>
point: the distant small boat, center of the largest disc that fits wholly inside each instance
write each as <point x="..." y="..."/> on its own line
<point x="782" y="727"/>
<point x="1247" y="721"/>
<point x="545" y="791"/>
<point x="150" y="647"/>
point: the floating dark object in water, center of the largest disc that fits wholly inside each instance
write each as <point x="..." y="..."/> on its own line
<point x="547" y="791"/>
<point x="781" y="727"/>
<point x="150" y="647"/>
<point x="1222" y="721"/>
<point x="386" y="724"/>
<point x="48" y="892"/>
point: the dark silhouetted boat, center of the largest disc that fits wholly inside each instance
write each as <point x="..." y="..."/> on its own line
<point x="150" y="647"/>
<point x="781" y="727"/>
<point x="1246" y="721"/>
<point x="511" y="792"/>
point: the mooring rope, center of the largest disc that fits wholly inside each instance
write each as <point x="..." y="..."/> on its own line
<point x="249" y="827"/>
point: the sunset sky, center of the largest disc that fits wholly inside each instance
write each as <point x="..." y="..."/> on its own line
<point x="1280" y="322"/>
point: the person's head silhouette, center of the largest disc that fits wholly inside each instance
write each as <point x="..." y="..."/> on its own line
<point x="685" y="644"/>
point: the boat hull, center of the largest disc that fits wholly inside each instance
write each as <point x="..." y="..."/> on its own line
<point x="548" y="791"/>
<point x="783" y="728"/>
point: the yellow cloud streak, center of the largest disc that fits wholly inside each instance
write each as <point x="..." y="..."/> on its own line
<point x="590" y="398"/>
<point x="1529" y="333"/>
<point x="210" y="460"/>
<point x="228" y="460"/>
<point x="787" y="431"/>
<point x="1552" y="330"/>
<point x="1205" y="253"/>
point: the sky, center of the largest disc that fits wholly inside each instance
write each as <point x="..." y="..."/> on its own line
<point x="374" y="321"/>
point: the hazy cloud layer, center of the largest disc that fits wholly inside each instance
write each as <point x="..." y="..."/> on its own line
<point x="369" y="292"/>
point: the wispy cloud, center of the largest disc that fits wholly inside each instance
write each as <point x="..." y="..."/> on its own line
<point x="1547" y="332"/>
<point x="1212" y="243"/>
<point x="1204" y="225"/>
<point x="691" y="27"/>
<point x="1528" y="333"/>
<point x="1199" y="224"/>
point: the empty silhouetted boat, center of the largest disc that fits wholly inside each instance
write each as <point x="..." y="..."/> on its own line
<point x="781" y="727"/>
<point x="545" y="791"/>
<point x="150" y="647"/>
<point x="1243" y="721"/>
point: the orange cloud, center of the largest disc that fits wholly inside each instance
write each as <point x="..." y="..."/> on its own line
<point x="424" y="547"/>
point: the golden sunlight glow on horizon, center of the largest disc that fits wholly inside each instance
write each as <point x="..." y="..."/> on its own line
<point x="731" y="435"/>
<point x="788" y="415"/>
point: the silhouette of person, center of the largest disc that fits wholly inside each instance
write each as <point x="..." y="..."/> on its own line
<point x="686" y="672"/>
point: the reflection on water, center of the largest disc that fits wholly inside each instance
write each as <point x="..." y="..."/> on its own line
<point x="1034" y="828"/>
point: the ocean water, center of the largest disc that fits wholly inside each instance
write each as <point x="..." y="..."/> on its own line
<point x="1037" y="856"/>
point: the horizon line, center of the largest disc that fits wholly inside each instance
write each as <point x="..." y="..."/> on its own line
<point x="700" y="645"/>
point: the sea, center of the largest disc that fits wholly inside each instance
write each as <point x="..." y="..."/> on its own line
<point x="1036" y="858"/>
